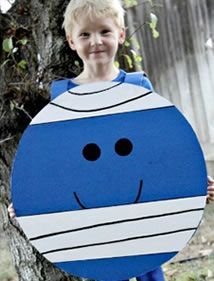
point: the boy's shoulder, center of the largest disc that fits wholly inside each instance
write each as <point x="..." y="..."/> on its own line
<point x="58" y="87"/>
<point x="135" y="77"/>
<point x="139" y="78"/>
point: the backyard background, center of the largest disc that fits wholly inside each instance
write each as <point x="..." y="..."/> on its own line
<point x="180" y="64"/>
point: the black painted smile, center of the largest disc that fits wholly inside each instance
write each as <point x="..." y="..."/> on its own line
<point x="135" y="201"/>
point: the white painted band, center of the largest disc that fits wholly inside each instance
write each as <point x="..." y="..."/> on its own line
<point x="113" y="98"/>
<point x="127" y="230"/>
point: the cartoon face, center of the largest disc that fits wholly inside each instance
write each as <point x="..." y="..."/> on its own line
<point x="106" y="179"/>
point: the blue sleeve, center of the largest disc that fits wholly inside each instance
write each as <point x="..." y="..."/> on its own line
<point x="146" y="83"/>
<point x="58" y="87"/>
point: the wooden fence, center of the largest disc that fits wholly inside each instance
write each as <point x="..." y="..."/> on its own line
<point x="179" y="63"/>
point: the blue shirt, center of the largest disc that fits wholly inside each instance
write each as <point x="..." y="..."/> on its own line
<point x="145" y="82"/>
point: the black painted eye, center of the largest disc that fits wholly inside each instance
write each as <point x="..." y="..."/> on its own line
<point x="123" y="147"/>
<point x="91" y="152"/>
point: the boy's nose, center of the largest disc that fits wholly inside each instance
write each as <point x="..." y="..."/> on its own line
<point x="96" y="40"/>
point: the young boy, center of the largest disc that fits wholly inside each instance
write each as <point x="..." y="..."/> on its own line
<point x="94" y="29"/>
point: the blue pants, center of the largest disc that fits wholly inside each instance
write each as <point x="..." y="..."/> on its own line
<point x="154" y="275"/>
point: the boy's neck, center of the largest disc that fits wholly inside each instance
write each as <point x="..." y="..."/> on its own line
<point x="102" y="73"/>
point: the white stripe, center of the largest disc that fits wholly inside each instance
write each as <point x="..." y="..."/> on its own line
<point x="46" y="223"/>
<point x="123" y="93"/>
<point x="52" y="223"/>
<point x="165" y="244"/>
<point x="120" y="231"/>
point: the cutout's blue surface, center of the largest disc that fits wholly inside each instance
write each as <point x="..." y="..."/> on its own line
<point x="113" y="266"/>
<point x="168" y="171"/>
<point x="53" y="173"/>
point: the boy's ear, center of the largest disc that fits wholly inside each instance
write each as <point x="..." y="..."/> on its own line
<point x="70" y="42"/>
<point x="122" y="36"/>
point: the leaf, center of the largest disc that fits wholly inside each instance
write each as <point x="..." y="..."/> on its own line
<point x="127" y="43"/>
<point x="8" y="45"/>
<point x="129" y="60"/>
<point x="130" y="3"/>
<point x="138" y="58"/>
<point x="153" y="20"/>
<point x="155" y="33"/>
<point x="23" y="64"/>
<point x="153" y="25"/>
<point x="23" y="41"/>
<point x="116" y="63"/>
<point x="133" y="52"/>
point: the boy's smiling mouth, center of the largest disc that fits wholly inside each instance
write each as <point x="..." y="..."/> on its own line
<point x="97" y="51"/>
<point x="135" y="201"/>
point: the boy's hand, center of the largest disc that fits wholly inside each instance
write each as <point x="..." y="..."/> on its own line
<point x="210" y="190"/>
<point x="11" y="211"/>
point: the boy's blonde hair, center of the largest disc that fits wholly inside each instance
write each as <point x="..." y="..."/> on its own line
<point x="77" y="9"/>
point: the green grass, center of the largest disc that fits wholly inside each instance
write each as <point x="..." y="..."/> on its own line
<point x="197" y="270"/>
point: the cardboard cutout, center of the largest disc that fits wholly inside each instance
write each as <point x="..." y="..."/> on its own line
<point x="109" y="181"/>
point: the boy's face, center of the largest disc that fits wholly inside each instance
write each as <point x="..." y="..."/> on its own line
<point x="96" y="42"/>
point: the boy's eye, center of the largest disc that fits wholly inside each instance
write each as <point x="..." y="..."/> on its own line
<point x="84" y="34"/>
<point x="105" y="31"/>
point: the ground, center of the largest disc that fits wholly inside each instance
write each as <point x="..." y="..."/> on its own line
<point x="194" y="263"/>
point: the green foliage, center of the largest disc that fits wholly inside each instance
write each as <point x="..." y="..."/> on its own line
<point x="8" y="45"/>
<point x="137" y="58"/>
<point x="129" y="61"/>
<point x="130" y="51"/>
<point x="11" y="46"/>
<point x="23" y="41"/>
<point x="130" y="3"/>
<point x="117" y="64"/>
<point x="22" y="64"/>
<point x="153" y="25"/>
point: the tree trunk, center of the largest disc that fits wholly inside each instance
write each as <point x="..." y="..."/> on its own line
<point x="24" y="90"/>
<point x="26" y="74"/>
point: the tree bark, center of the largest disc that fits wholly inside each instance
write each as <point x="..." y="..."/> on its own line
<point x="25" y="77"/>
<point x="23" y="92"/>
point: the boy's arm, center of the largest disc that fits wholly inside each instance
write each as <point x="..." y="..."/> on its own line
<point x="210" y="190"/>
